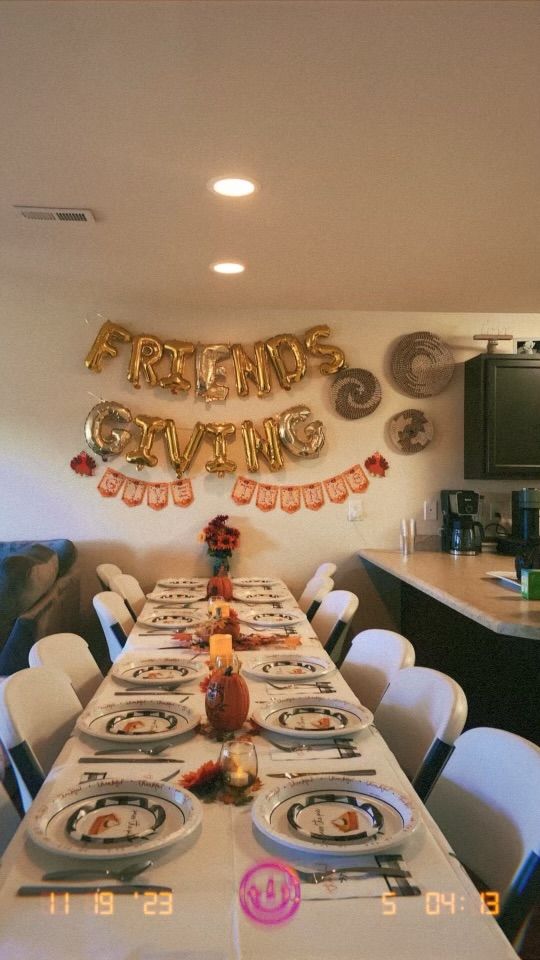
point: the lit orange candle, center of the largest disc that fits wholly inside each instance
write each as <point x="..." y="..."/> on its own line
<point x="220" y="646"/>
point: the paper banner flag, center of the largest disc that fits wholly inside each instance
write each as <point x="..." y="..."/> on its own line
<point x="336" y="489"/>
<point x="356" y="478"/>
<point x="243" y="490"/>
<point x="111" y="483"/>
<point x="313" y="496"/>
<point x="158" y="495"/>
<point x="290" y="499"/>
<point x="266" y="496"/>
<point x="134" y="491"/>
<point x="182" y="493"/>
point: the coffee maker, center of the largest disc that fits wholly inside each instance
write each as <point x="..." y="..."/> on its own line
<point x="461" y="533"/>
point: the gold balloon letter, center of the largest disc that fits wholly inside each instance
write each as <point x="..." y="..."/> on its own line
<point x="254" y="444"/>
<point x="179" y="350"/>
<point x="245" y="367"/>
<point x="93" y="428"/>
<point x="182" y="461"/>
<point x="291" y="343"/>
<point x="207" y="371"/>
<point x="145" y="353"/>
<point x="102" y="346"/>
<point x="288" y="421"/>
<point x="142" y="457"/>
<point x="220" y="464"/>
<point x="336" y="356"/>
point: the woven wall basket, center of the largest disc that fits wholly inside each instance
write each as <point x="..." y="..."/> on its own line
<point x="410" y="431"/>
<point x="355" y="393"/>
<point x="422" y="364"/>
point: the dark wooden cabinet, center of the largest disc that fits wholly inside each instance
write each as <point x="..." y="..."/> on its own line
<point x="502" y="416"/>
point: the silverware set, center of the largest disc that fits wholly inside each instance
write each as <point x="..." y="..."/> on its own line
<point x="319" y="773"/>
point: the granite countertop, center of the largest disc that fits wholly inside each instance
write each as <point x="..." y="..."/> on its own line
<point x="461" y="583"/>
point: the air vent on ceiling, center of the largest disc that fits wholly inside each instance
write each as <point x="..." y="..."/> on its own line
<point x="60" y="214"/>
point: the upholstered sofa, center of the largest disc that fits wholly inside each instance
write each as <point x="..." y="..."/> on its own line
<point x="39" y="594"/>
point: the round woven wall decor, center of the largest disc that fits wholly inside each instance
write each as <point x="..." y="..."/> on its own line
<point x="355" y="393"/>
<point x="410" y="431"/>
<point x="422" y="364"/>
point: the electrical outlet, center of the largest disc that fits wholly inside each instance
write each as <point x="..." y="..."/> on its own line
<point x="431" y="509"/>
<point x="355" y="509"/>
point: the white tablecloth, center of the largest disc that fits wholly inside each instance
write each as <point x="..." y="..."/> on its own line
<point x="204" y="920"/>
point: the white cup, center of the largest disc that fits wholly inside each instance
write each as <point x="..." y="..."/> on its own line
<point x="407" y="536"/>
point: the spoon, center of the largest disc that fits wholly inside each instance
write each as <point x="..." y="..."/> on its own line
<point x="125" y="874"/>
<point x="149" y="751"/>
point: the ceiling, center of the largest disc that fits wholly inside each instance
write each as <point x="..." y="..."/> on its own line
<point x="397" y="145"/>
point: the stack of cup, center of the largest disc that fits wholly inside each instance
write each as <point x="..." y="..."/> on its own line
<point x="407" y="536"/>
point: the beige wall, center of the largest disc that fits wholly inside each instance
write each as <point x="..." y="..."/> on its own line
<point x="47" y="393"/>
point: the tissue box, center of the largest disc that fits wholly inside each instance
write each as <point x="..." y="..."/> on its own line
<point x="530" y="584"/>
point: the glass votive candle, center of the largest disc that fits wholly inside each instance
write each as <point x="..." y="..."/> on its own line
<point x="218" y="608"/>
<point x="238" y="761"/>
<point x="220" y="645"/>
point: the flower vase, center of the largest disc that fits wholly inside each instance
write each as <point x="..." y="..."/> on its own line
<point x="220" y="566"/>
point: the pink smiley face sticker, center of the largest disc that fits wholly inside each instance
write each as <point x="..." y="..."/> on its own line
<point x="270" y="892"/>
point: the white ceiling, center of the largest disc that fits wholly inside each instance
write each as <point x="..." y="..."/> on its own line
<point x="397" y="145"/>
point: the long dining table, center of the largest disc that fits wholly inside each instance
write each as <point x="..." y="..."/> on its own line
<point x="230" y="878"/>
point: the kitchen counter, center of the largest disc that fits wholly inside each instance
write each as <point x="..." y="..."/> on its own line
<point x="461" y="583"/>
<point x="475" y="629"/>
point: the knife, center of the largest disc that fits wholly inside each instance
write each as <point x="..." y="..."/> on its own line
<point x="317" y="773"/>
<point x="38" y="890"/>
<point x="106" y="760"/>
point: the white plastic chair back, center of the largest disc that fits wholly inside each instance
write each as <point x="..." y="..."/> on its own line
<point x="69" y="652"/>
<point x="325" y="570"/>
<point x="373" y="659"/>
<point x="115" y="620"/>
<point x="486" y="802"/>
<point x="105" y="572"/>
<point x="420" y="716"/>
<point x="38" y="709"/>
<point x="333" y="617"/>
<point x="130" y="589"/>
<point x="9" y="818"/>
<point x="312" y="594"/>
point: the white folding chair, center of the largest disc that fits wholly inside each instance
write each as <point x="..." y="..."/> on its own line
<point x="9" y="818"/>
<point x="420" y="716"/>
<point x="69" y="652"/>
<point x="325" y="570"/>
<point x="312" y="594"/>
<point x="115" y="619"/>
<point x="373" y="659"/>
<point x="38" y="708"/>
<point x="105" y="572"/>
<point x="486" y="802"/>
<point x="131" y="591"/>
<point x="331" y="622"/>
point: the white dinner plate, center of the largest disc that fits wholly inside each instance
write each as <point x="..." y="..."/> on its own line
<point x="182" y="595"/>
<point x="312" y="718"/>
<point x="335" y="815"/>
<point x="137" y="719"/>
<point x="260" y="596"/>
<point x="254" y="581"/>
<point x="170" y="583"/>
<point x="178" y="620"/>
<point x="156" y="671"/>
<point x="270" y="618"/>
<point x="289" y="667"/>
<point x="506" y="576"/>
<point x="114" y="818"/>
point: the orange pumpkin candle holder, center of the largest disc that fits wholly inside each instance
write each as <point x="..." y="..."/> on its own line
<point x="227" y="697"/>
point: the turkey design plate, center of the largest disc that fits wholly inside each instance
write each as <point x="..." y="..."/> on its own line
<point x="172" y="621"/>
<point x="137" y="720"/>
<point x="290" y="667"/>
<point x="271" y="618"/>
<point x="260" y="596"/>
<point x="156" y="672"/>
<point x="115" y="818"/>
<point x="312" y="718"/>
<point x="187" y="595"/>
<point x="335" y="815"/>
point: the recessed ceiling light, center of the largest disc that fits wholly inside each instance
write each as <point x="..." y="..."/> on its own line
<point x="228" y="266"/>
<point x="232" y="186"/>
